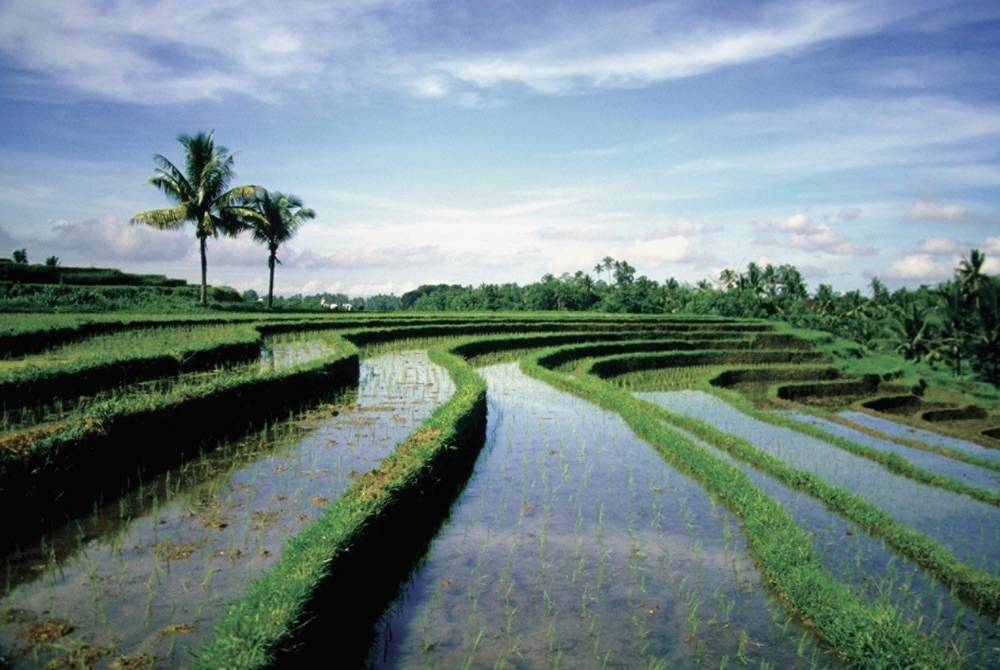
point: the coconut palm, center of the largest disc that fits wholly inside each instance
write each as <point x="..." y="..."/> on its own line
<point x="201" y="193"/>
<point x="911" y="333"/>
<point x="273" y="218"/>
<point x="970" y="275"/>
<point x="728" y="279"/>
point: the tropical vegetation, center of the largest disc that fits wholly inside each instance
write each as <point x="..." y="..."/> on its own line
<point x="202" y="196"/>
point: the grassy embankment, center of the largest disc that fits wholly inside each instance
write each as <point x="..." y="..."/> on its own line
<point x="865" y="636"/>
<point x="974" y="585"/>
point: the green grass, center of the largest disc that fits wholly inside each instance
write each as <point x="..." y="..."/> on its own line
<point x="974" y="585"/>
<point x="865" y="636"/>
<point x="273" y="607"/>
<point x="609" y="367"/>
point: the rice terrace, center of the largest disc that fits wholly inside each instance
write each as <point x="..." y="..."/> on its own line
<point x="504" y="490"/>
<point x="653" y="335"/>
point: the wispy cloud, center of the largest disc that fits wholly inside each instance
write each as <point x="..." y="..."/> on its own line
<point x="652" y="48"/>
<point x="168" y="52"/>
<point x="928" y="210"/>
<point x="801" y="232"/>
<point x="939" y="246"/>
<point x="110" y="239"/>
<point x="920" y="267"/>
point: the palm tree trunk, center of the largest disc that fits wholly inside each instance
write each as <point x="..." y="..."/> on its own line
<point x="270" y="284"/>
<point x="203" y="299"/>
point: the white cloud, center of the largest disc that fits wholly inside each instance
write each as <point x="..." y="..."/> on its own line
<point x="849" y="213"/>
<point x="109" y="239"/>
<point x="671" y="249"/>
<point x="992" y="245"/>
<point x="429" y="86"/>
<point x="822" y="238"/>
<point x="657" y="45"/>
<point x="373" y="257"/>
<point x="923" y="267"/>
<point x="927" y="210"/>
<point x="238" y="251"/>
<point x="796" y="222"/>
<point x="168" y="52"/>
<point x="939" y="246"/>
<point x="925" y="139"/>
<point x="802" y="233"/>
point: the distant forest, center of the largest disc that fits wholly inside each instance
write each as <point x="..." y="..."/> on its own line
<point x="956" y="322"/>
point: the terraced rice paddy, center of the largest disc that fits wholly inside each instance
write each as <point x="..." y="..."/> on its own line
<point x="936" y="462"/>
<point x="969" y="528"/>
<point x="575" y="546"/>
<point x="895" y="429"/>
<point x="555" y="520"/>
<point x="146" y="578"/>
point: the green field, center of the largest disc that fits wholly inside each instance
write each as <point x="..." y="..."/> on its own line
<point x="504" y="489"/>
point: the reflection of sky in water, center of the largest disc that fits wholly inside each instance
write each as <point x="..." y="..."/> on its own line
<point x="896" y="429"/>
<point x="942" y="465"/>
<point x="181" y="564"/>
<point x="968" y="527"/>
<point x="575" y="544"/>
<point x="877" y="573"/>
<point x="284" y="351"/>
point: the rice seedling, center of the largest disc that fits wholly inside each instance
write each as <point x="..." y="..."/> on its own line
<point x="591" y="552"/>
<point x="201" y="532"/>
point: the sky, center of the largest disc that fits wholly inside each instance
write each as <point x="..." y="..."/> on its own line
<point x="495" y="141"/>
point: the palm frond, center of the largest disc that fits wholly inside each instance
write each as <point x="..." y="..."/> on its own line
<point x="164" y="219"/>
<point x="165" y="167"/>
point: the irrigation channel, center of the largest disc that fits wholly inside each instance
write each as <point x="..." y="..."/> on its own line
<point x="142" y="580"/>
<point x="574" y="545"/>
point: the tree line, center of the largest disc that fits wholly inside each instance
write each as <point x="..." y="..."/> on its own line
<point x="203" y="196"/>
<point x="956" y="322"/>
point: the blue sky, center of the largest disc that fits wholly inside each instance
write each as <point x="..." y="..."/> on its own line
<point x="473" y="142"/>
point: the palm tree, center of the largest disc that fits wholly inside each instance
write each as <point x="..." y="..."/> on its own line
<point x="970" y="275"/>
<point x="728" y="279"/>
<point x="202" y="195"/>
<point x="911" y="333"/>
<point x="955" y="326"/>
<point x="274" y="218"/>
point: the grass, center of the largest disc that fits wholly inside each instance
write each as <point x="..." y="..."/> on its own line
<point x="40" y="469"/>
<point x="358" y="531"/>
<point x="974" y="585"/>
<point x="864" y="636"/>
<point x="272" y="610"/>
<point x="609" y="367"/>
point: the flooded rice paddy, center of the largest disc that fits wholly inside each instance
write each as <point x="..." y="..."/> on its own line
<point x="897" y="429"/>
<point x="142" y="580"/>
<point x="278" y="352"/>
<point x="937" y="463"/>
<point x="967" y="527"/>
<point x="575" y="545"/>
<point x="878" y="574"/>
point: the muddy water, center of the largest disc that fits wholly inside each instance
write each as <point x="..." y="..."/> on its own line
<point x="574" y="545"/>
<point x="158" y="572"/>
<point x="937" y="463"/>
<point x="967" y="527"/>
<point x="879" y="575"/>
